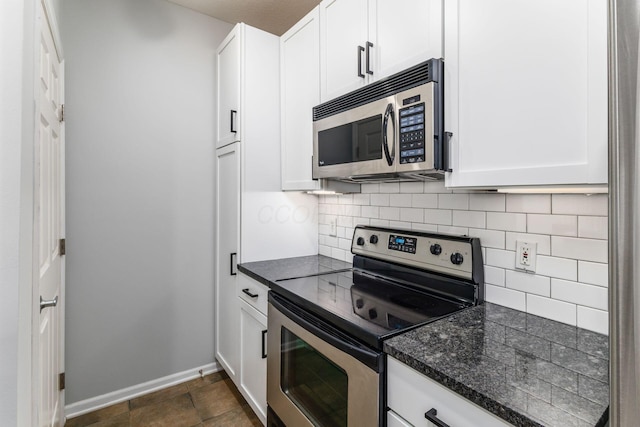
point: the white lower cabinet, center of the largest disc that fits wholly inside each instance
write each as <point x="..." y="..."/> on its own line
<point x="252" y="383"/>
<point x="410" y="395"/>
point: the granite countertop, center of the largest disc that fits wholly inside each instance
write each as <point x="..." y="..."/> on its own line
<point x="526" y="369"/>
<point x="268" y="272"/>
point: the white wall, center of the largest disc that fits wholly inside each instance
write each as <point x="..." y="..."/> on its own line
<point x="17" y="26"/>
<point x="570" y="284"/>
<point x="140" y="109"/>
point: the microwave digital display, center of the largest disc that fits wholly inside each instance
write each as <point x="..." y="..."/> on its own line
<point x="412" y="134"/>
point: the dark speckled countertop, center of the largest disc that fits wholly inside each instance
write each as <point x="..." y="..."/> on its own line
<point x="268" y="272"/>
<point x="526" y="369"/>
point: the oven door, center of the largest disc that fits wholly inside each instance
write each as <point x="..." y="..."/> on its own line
<point x="359" y="141"/>
<point x="316" y="376"/>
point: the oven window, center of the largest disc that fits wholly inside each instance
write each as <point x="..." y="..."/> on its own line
<point x="313" y="383"/>
<point x="353" y="142"/>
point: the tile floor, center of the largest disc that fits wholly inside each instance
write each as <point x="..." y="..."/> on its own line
<point x="212" y="401"/>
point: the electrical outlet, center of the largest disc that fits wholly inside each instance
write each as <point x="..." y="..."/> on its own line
<point x="333" y="226"/>
<point x="526" y="254"/>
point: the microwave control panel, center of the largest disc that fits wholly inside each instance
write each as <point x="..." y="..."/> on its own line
<point x="412" y="120"/>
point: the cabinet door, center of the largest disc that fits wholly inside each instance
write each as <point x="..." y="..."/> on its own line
<point x="229" y="55"/>
<point x="253" y="372"/>
<point x="343" y="30"/>
<point x="227" y="314"/>
<point x="300" y="92"/>
<point x="404" y="33"/>
<point x="526" y="91"/>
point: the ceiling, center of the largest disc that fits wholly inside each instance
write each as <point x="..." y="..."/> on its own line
<point x="273" y="16"/>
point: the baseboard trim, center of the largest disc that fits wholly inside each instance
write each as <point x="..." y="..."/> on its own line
<point x="89" y="405"/>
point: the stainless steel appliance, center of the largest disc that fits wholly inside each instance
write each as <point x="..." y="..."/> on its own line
<point x="624" y="211"/>
<point x="326" y="332"/>
<point x="389" y="130"/>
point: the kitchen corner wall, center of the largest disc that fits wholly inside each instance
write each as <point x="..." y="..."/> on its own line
<point x="140" y="131"/>
<point x="570" y="282"/>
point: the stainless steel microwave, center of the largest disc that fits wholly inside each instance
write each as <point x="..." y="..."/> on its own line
<point x="392" y="129"/>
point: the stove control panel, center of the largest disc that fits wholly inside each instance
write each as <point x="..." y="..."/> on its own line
<point x="442" y="253"/>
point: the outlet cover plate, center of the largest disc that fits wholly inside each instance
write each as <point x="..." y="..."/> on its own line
<point x="526" y="254"/>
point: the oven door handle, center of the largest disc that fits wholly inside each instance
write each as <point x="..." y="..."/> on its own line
<point x="328" y="334"/>
<point x="389" y="113"/>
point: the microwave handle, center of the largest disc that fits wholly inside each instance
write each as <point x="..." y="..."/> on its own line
<point x="389" y="114"/>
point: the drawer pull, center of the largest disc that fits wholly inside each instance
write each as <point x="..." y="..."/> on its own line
<point x="431" y="416"/>
<point x="248" y="292"/>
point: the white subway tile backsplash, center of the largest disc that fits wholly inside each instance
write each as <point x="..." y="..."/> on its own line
<point x="529" y="203"/>
<point x="412" y="214"/>
<point x="392" y="214"/>
<point x="430" y="228"/>
<point x="561" y="268"/>
<point x="362" y="199"/>
<point x="487" y="202"/>
<point x="370" y="188"/>
<point x="380" y="199"/>
<point x="435" y="187"/>
<point x="593" y="273"/>
<point x="529" y="283"/>
<point x="500" y="258"/>
<point x="437" y="216"/>
<point x="580" y="293"/>
<point x="469" y="219"/>
<point x="494" y="276"/>
<point x="489" y="238"/>
<point x="379" y="222"/>
<point x="593" y="227"/>
<point x="400" y="200"/>
<point x="580" y="249"/>
<point x="400" y="224"/>
<point x="580" y="204"/>
<point x="557" y="225"/>
<point x="571" y="278"/>
<point x="411" y="187"/>
<point x="507" y="221"/>
<point x="544" y="242"/>
<point x="424" y="200"/>
<point x="390" y="187"/>
<point x="552" y="309"/>
<point x="371" y="211"/>
<point x="506" y="297"/>
<point x="453" y="201"/>
<point x="594" y="320"/>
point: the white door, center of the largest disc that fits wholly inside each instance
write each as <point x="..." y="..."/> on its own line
<point x="48" y="230"/>
<point x="343" y="38"/>
<point x="253" y="352"/>
<point x="229" y="114"/>
<point x="227" y="220"/>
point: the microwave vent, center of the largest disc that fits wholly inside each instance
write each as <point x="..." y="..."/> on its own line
<point x="417" y="75"/>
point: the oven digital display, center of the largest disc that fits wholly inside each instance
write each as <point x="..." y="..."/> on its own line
<point x="402" y="243"/>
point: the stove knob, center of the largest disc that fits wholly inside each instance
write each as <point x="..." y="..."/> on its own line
<point x="373" y="239"/>
<point x="373" y="314"/>
<point x="359" y="303"/>
<point x="436" y="249"/>
<point x="360" y="241"/>
<point x="456" y="258"/>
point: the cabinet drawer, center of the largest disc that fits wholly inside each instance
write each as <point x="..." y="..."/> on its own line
<point x="395" y="420"/>
<point x="411" y="394"/>
<point x="253" y="292"/>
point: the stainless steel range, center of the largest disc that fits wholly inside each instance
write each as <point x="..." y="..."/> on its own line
<point x="326" y="331"/>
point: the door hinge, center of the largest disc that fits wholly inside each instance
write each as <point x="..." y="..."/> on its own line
<point x="63" y="247"/>
<point x="61" y="381"/>
<point x="61" y="113"/>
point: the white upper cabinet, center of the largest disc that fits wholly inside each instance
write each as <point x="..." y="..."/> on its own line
<point x="229" y="55"/>
<point x="526" y="92"/>
<point x="365" y="40"/>
<point x="300" y="92"/>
